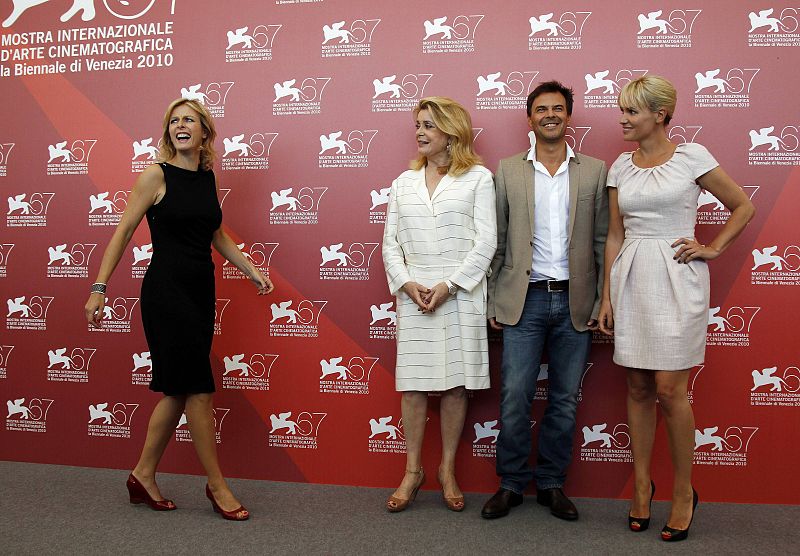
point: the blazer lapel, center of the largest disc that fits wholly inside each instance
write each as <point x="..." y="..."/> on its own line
<point x="447" y="181"/>
<point x="574" y="180"/>
<point x="528" y="179"/>
<point x="421" y="189"/>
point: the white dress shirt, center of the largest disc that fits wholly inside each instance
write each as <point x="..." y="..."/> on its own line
<point x="551" y="219"/>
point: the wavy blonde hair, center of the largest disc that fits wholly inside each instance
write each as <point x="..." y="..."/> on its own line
<point x="652" y="92"/>
<point x="450" y="118"/>
<point x="207" y="152"/>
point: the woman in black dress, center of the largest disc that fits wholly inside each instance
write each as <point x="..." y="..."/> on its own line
<point x="179" y="198"/>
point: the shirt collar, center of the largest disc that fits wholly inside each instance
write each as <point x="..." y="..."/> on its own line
<point x="532" y="153"/>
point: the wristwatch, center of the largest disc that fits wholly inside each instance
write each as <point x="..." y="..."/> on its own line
<point x="452" y="289"/>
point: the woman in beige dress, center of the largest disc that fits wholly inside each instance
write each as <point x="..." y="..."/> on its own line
<point x="439" y="240"/>
<point x="656" y="292"/>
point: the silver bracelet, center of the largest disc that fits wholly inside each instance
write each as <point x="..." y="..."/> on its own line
<point x="98" y="287"/>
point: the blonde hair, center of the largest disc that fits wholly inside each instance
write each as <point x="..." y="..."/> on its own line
<point x="207" y="152"/>
<point x="452" y="119"/>
<point x="651" y="92"/>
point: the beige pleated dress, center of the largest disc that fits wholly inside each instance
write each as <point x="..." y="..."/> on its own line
<point x="660" y="306"/>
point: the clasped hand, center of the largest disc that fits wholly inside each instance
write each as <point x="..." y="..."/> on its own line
<point x="427" y="299"/>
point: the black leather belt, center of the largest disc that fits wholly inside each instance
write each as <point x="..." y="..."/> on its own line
<point x="550" y="285"/>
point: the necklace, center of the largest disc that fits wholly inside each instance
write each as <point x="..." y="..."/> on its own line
<point x="442" y="170"/>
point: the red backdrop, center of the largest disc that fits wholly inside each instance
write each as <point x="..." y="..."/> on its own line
<point x="312" y="101"/>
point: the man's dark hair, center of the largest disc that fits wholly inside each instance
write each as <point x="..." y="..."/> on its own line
<point x="551" y="87"/>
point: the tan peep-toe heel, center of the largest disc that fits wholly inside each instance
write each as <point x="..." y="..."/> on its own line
<point x="453" y="503"/>
<point x="394" y="504"/>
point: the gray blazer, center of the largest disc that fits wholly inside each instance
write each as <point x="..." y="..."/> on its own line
<point x="588" y="226"/>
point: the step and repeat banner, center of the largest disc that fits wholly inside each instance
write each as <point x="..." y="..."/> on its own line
<point x="312" y="101"/>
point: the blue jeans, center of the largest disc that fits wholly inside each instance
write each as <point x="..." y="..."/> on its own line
<point x="545" y="322"/>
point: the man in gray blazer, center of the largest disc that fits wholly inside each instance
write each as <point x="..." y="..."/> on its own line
<point x="544" y="292"/>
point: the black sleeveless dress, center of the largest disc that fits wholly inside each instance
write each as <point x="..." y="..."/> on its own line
<point x="178" y="299"/>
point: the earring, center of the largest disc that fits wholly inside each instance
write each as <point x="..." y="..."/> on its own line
<point x="448" y="147"/>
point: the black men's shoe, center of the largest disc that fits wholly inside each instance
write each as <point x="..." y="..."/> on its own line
<point x="501" y="503"/>
<point x="560" y="506"/>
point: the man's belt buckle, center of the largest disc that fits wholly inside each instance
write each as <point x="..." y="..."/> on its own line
<point x="555" y="286"/>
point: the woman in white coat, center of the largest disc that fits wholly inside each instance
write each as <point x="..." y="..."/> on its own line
<point x="439" y="239"/>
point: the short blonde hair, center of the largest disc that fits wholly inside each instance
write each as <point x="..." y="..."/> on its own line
<point x="207" y="152"/>
<point x="651" y="92"/>
<point x="450" y="118"/>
